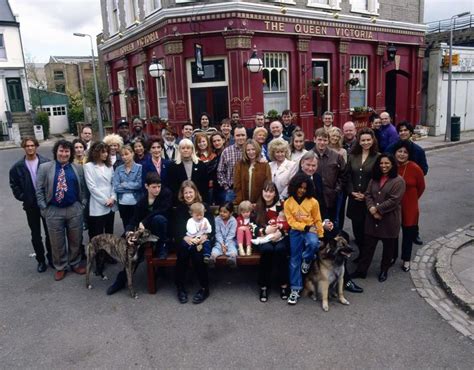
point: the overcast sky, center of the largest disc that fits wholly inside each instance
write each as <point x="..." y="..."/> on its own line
<point x="47" y="25"/>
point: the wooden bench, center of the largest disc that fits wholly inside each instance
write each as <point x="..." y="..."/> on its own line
<point x="153" y="261"/>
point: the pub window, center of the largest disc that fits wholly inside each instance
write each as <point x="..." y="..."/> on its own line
<point x="153" y="5"/>
<point x="3" y="53"/>
<point x="58" y="75"/>
<point x="214" y="71"/>
<point x="364" y="6"/>
<point x="121" y="86"/>
<point x="141" y="91"/>
<point x="333" y="4"/>
<point x="358" y="72"/>
<point x="162" y="95"/>
<point x="275" y="82"/>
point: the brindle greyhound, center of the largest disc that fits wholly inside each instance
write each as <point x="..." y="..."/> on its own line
<point x="124" y="250"/>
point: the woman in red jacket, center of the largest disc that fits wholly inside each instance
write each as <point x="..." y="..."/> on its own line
<point x="415" y="186"/>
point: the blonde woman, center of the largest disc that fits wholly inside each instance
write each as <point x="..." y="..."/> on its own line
<point x="250" y="173"/>
<point x="335" y="142"/>
<point x="282" y="168"/>
<point x="188" y="167"/>
<point x="260" y="135"/>
<point x="115" y="143"/>
<point x="297" y="145"/>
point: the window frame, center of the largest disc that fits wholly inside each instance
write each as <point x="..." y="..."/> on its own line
<point x="162" y="92"/>
<point x="279" y="69"/>
<point x="3" y="49"/>
<point x="332" y="4"/>
<point x="356" y="72"/>
<point x="373" y="7"/>
<point x="114" y="25"/>
<point x="141" y="97"/>
<point x="121" y="82"/>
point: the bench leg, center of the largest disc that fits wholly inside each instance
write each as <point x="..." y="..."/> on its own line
<point x="150" y="268"/>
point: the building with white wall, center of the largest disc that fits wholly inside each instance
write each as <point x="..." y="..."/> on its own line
<point x="462" y="100"/>
<point x="14" y="95"/>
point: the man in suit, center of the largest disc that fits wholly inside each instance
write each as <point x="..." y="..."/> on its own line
<point x="86" y="136"/>
<point x="259" y="122"/>
<point x="23" y="184"/>
<point x="276" y="132"/>
<point x="170" y="145"/>
<point x="288" y="126"/>
<point x="60" y="192"/>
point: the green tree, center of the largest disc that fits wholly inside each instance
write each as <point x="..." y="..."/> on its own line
<point x="89" y="96"/>
<point x="75" y="112"/>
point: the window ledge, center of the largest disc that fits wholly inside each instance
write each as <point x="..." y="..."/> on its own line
<point x="367" y="12"/>
<point x="323" y="6"/>
<point x="289" y="2"/>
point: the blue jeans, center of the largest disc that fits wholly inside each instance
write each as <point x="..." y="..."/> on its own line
<point x="303" y="246"/>
<point x="230" y="195"/>
<point x="159" y="227"/>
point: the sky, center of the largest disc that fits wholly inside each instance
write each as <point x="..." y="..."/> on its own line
<point x="47" y="25"/>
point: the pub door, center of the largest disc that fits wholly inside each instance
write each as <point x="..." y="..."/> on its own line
<point x="320" y="89"/>
<point x="213" y="100"/>
<point x="15" y="95"/>
<point x="397" y="96"/>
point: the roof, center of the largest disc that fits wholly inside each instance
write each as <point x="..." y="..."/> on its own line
<point x="6" y="14"/>
<point x="70" y="59"/>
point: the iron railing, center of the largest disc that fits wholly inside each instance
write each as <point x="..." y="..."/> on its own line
<point x="445" y="24"/>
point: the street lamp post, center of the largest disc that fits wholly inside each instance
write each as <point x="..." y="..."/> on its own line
<point x="96" y="87"/>
<point x="447" y="135"/>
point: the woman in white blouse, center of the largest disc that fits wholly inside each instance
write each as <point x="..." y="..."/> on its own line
<point x="283" y="169"/>
<point x="98" y="173"/>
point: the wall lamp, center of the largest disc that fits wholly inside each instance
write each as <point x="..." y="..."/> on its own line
<point x="391" y="53"/>
<point x="157" y="70"/>
<point x="254" y="64"/>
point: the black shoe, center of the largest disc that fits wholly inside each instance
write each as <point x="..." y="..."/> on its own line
<point x="358" y="275"/>
<point x="42" y="267"/>
<point x="284" y="293"/>
<point x="382" y="276"/>
<point x="119" y="283"/>
<point x="418" y="240"/>
<point x="353" y="287"/>
<point x="201" y="295"/>
<point x="263" y="295"/>
<point x="182" y="296"/>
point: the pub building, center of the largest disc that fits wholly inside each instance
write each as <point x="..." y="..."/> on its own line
<point x="177" y="60"/>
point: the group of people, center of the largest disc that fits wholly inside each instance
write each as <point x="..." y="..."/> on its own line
<point x="288" y="194"/>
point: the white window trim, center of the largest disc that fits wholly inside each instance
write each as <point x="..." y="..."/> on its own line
<point x="112" y="5"/>
<point x="149" y="9"/>
<point x="333" y="4"/>
<point x="290" y="2"/>
<point x="192" y="84"/>
<point x="328" y="83"/>
<point x="366" y="87"/>
<point x="158" y="81"/>
<point x="121" y="81"/>
<point x="287" y="76"/>
<point x="129" y="13"/>
<point x="185" y="1"/>
<point x="373" y="7"/>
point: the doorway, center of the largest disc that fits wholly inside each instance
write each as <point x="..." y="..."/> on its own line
<point x="213" y="100"/>
<point x="397" y="95"/>
<point x="320" y="88"/>
<point x="15" y="95"/>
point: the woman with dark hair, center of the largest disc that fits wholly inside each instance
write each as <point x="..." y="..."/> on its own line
<point x="156" y="162"/>
<point x="218" y="145"/>
<point x="98" y="173"/>
<point x="205" y="124"/>
<point x="360" y="164"/>
<point x="375" y="124"/>
<point x="383" y="201"/>
<point x="268" y="209"/>
<point x="189" y="194"/>
<point x="141" y="151"/>
<point x="188" y="167"/>
<point x="79" y="153"/>
<point x="415" y="186"/>
<point x="304" y="218"/>
<point x="250" y="173"/>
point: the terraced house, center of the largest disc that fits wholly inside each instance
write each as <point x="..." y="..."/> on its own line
<point x="315" y="55"/>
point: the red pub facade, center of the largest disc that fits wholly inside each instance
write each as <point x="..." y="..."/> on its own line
<point x="313" y="61"/>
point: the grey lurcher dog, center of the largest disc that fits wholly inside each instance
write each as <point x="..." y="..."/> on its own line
<point x="327" y="272"/>
<point x="124" y="250"/>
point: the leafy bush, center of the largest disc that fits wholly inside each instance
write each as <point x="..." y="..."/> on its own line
<point x="75" y="112"/>
<point x="42" y="119"/>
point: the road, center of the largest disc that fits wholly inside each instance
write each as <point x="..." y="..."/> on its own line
<point x="48" y="324"/>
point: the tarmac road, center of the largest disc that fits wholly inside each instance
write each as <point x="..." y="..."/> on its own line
<point x="48" y="324"/>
